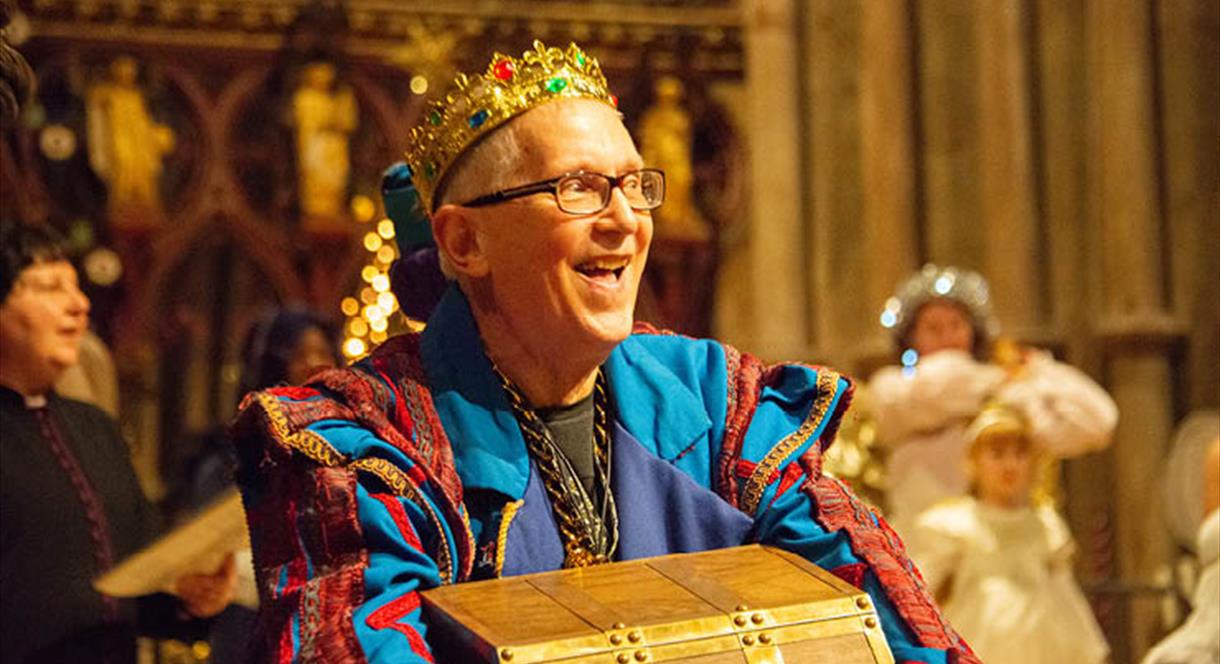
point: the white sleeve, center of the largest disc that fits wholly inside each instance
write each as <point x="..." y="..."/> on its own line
<point x="1068" y="414"/>
<point x="944" y="388"/>
<point x="1196" y="641"/>
<point x="1061" y="547"/>
<point x="937" y="542"/>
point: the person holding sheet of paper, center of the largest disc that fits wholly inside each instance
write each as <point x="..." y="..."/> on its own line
<point x="70" y="504"/>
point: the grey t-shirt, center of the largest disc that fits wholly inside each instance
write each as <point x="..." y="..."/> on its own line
<point x="572" y="429"/>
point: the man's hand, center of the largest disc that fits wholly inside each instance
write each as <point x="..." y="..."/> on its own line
<point x="205" y="595"/>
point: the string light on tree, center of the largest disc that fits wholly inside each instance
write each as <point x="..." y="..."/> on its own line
<point x="370" y="315"/>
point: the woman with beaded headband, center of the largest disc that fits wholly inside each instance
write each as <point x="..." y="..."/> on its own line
<point x="950" y="365"/>
<point x="533" y="425"/>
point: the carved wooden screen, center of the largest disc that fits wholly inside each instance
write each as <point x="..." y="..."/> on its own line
<point x="187" y="201"/>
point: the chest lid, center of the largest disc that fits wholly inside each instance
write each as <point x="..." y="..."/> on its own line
<point x="743" y="604"/>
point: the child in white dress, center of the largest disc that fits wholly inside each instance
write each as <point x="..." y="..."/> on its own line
<point x="1000" y="564"/>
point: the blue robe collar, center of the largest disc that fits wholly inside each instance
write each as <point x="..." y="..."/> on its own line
<point x="488" y="448"/>
<point x="651" y="403"/>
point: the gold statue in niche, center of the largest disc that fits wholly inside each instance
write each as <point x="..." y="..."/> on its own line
<point x="323" y="117"/>
<point x="665" y="143"/>
<point x="126" y="145"/>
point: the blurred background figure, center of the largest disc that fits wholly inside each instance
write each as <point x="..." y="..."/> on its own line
<point x="1193" y="509"/>
<point x="416" y="275"/>
<point x="282" y="347"/>
<point x="286" y="347"/>
<point x="666" y="134"/>
<point x="1000" y="563"/>
<point x="64" y="465"/>
<point x="93" y="378"/>
<point x="952" y="362"/>
<point x="16" y="77"/>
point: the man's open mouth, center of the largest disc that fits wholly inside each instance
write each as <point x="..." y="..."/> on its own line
<point x="608" y="269"/>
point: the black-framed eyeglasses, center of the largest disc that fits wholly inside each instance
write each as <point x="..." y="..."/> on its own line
<point x="589" y="193"/>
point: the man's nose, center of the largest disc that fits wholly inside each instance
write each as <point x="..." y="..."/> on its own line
<point x="619" y="215"/>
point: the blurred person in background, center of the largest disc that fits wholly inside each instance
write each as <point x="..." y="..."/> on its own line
<point x="16" y="77"/>
<point x="287" y="347"/>
<point x="1000" y="562"/>
<point x="1197" y="639"/>
<point x="952" y="363"/>
<point x="93" y="379"/>
<point x="282" y="347"/>
<point x="70" y="504"/>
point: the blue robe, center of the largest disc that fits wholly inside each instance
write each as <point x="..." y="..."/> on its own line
<point x="409" y="470"/>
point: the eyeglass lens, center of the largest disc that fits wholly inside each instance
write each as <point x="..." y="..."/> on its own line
<point x="585" y="193"/>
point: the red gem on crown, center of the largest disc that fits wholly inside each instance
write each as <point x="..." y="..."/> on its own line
<point x="503" y="70"/>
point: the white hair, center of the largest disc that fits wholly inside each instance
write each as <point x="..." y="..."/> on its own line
<point x="489" y="165"/>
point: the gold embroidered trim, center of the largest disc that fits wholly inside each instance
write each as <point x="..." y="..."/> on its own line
<point x="400" y="484"/>
<point x="391" y="475"/>
<point x="470" y="543"/>
<point x="827" y="388"/>
<point x="307" y="442"/>
<point x="318" y="449"/>
<point x="506" y="519"/>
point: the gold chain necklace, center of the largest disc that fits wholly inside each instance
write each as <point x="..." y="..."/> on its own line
<point x="590" y="535"/>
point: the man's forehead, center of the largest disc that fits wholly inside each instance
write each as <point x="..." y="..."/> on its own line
<point x="574" y="134"/>
<point x="574" y="112"/>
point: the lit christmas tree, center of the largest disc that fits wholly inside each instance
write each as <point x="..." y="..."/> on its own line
<point x="373" y="314"/>
<point x="369" y="316"/>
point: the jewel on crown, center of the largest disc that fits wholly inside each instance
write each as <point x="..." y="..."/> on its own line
<point x="475" y="105"/>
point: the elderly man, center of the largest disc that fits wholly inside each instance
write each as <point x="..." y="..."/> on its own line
<point x="532" y="425"/>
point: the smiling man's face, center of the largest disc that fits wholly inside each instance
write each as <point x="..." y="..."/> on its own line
<point x="569" y="279"/>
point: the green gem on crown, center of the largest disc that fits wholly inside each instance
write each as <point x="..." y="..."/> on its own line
<point x="435" y="118"/>
<point x="556" y="85"/>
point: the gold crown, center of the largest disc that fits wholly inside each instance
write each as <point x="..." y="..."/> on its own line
<point x="995" y="417"/>
<point x="476" y="105"/>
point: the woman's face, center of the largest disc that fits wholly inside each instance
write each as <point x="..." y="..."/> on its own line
<point x="42" y="321"/>
<point x="1003" y="468"/>
<point x="941" y="325"/>
<point x="313" y="353"/>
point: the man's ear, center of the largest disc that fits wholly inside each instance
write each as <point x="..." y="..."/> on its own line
<point x="453" y="229"/>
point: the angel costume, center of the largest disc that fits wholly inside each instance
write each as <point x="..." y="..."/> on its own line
<point x="923" y="415"/>
<point x="1197" y="641"/>
<point x="1005" y="580"/>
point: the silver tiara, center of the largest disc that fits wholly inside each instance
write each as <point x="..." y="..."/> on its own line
<point x="964" y="287"/>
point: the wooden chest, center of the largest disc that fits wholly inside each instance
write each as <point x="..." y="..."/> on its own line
<point x="747" y="604"/>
